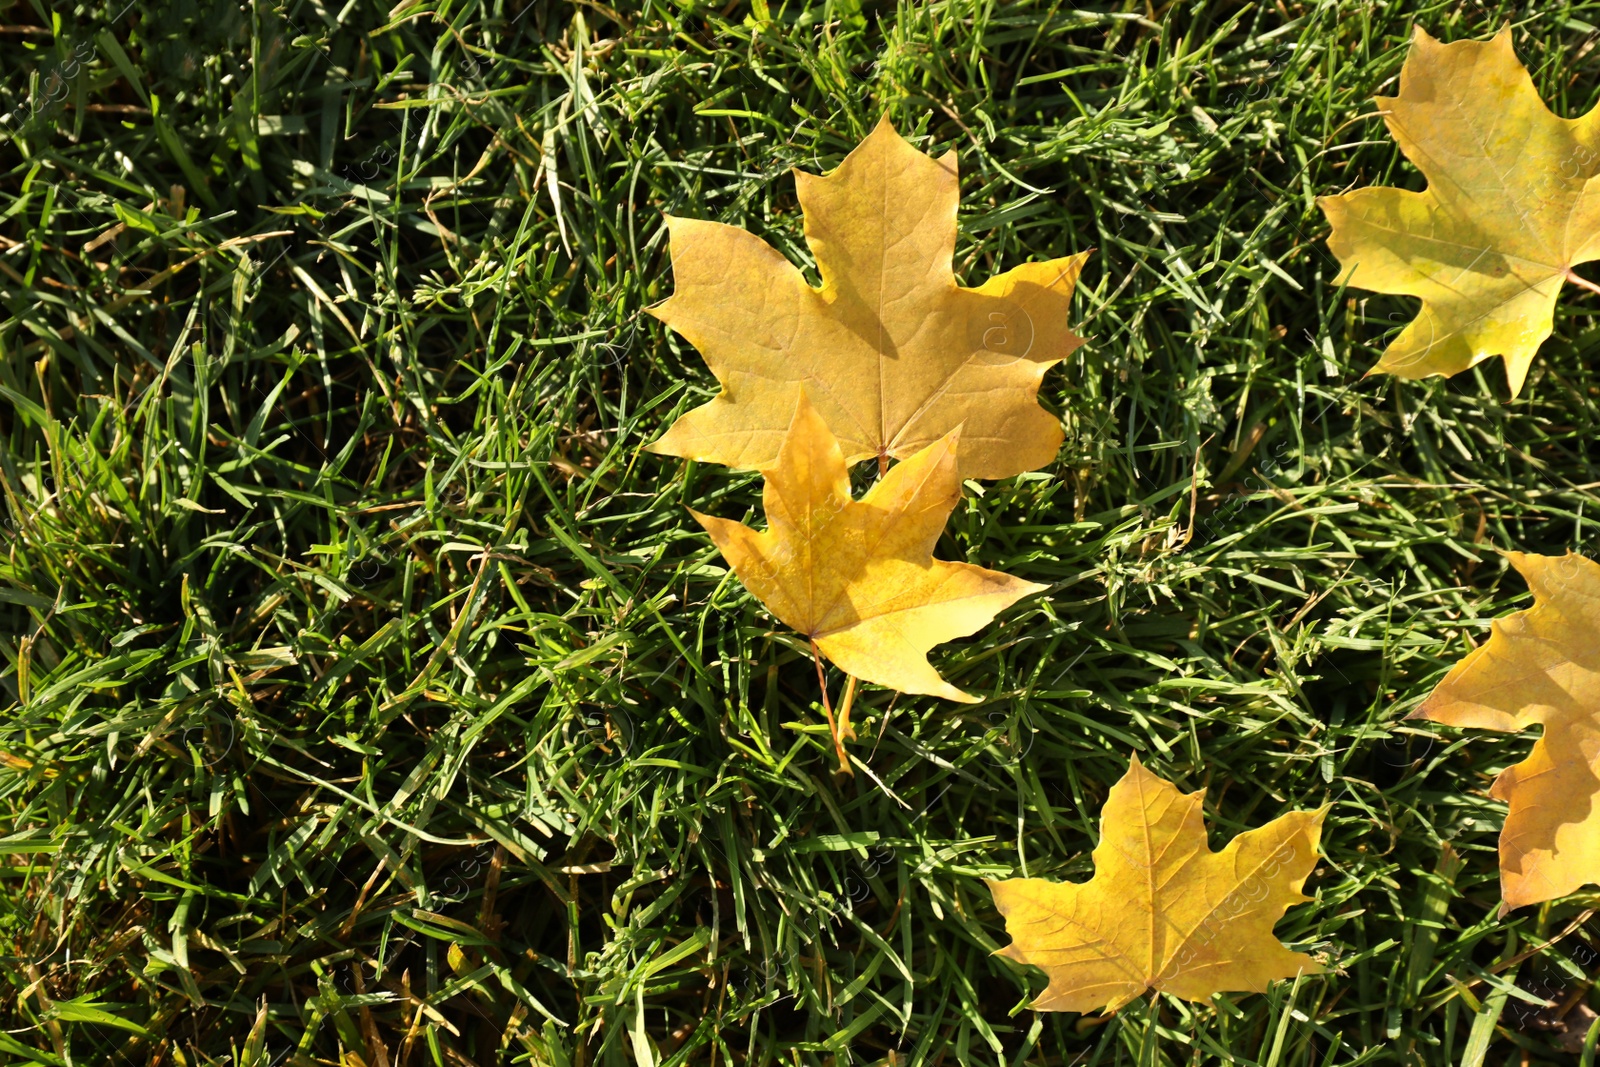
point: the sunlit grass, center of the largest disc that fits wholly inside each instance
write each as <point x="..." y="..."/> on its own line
<point x="370" y="693"/>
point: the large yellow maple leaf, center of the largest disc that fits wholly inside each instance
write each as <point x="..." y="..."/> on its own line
<point x="892" y="351"/>
<point x="858" y="577"/>
<point x="1540" y="666"/>
<point x="1512" y="205"/>
<point x="1163" y="911"/>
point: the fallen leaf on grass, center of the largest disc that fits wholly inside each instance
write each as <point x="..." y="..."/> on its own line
<point x="1540" y="666"/>
<point x="893" y="352"/>
<point x="1163" y="911"/>
<point x="858" y="578"/>
<point x="1512" y="205"/>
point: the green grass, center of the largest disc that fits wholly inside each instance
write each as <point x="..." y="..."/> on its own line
<point x="371" y="698"/>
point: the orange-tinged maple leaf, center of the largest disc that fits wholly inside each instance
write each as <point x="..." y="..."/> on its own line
<point x="1512" y="205"/>
<point x="858" y="577"/>
<point x="892" y="351"/>
<point x="1540" y="666"/>
<point x="1163" y="911"/>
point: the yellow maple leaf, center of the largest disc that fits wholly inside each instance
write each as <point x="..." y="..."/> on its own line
<point x="892" y="351"/>
<point x="1511" y="207"/>
<point x="1163" y="911"/>
<point x="1540" y="666"/>
<point x="858" y="578"/>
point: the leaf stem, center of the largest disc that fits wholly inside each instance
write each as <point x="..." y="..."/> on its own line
<point x="827" y="709"/>
<point x="1579" y="280"/>
<point x="846" y="731"/>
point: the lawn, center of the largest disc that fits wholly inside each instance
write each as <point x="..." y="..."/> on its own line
<point x="371" y="698"/>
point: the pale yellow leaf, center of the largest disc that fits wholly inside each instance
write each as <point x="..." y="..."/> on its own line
<point x="893" y="353"/>
<point x="1540" y="666"/>
<point x="1512" y="204"/>
<point x="1163" y="911"/>
<point x="858" y="577"/>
